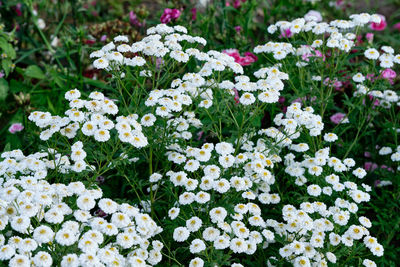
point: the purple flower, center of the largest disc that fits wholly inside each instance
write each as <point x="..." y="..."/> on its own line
<point x="15" y="127"/>
<point x="370" y="166"/>
<point x="238" y="29"/>
<point x="103" y="38"/>
<point x="337" y="118"/>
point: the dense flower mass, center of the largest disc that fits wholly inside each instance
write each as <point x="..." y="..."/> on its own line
<point x="46" y="219"/>
<point x="216" y="163"/>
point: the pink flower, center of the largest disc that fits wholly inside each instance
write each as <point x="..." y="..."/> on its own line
<point x="237" y="4"/>
<point x="248" y="58"/>
<point x="200" y="135"/>
<point x="338" y="117"/>
<point x="232" y="52"/>
<point x="134" y="20"/>
<point x="15" y="127"/>
<point x="367" y="154"/>
<point x="103" y="38"/>
<point x="388" y="74"/>
<point x="170" y="14"/>
<point x="379" y="26"/>
<point x="236" y="95"/>
<point x="397" y="26"/>
<point x="370" y="37"/>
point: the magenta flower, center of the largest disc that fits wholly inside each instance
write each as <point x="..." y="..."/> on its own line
<point x="286" y="33"/>
<point x="194" y="13"/>
<point x="169" y="15"/>
<point x="238" y="29"/>
<point x="18" y="9"/>
<point x="397" y="26"/>
<point x="379" y="26"/>
<point x="15" y="127"/>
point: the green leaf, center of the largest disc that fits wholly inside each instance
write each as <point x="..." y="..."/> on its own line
<point x="3" y="89"/>
<point x="16" y="87"/>
<point x="6" y="65"/>
<point x="7" y="48"/>
<point x="96" y="83"/>
<point x="34" y="71"/>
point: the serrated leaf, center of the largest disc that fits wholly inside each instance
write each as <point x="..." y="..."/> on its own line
<point x="6" y="65"/>
<point x="7" y="48"/>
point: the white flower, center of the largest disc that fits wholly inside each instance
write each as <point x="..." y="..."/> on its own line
<point x="247" y="99"/>
<point x="371" y="53"/>
<point x="330" y="137"/>
<point x="358" y="78"/>
<point x="314" y="190"/>
<point x="194" y="224"/>
<point x="359" y="172"/>
<point x="100" y="63"/>
<point x="155" y="177"/>
<point x="181" y="234"/>
<point x="173" y="213"/>
<point x="196" y="262"/>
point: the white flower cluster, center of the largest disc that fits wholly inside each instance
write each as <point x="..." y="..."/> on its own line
<point x="35" y="166"/>
<point x="311" y="235"/>
<point x="249" y="178"/>
<point x="295" y="117"/>
<point x="394" y="155"/>
<point x="51" y="224"/>
<point x="383" y="99"/>
<point x="90" y="117"/>
<point x="319" y="28"/>
<point x="194" y="88"/>
<point x="386" y="59"/>
<point x="162" y="41"/>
